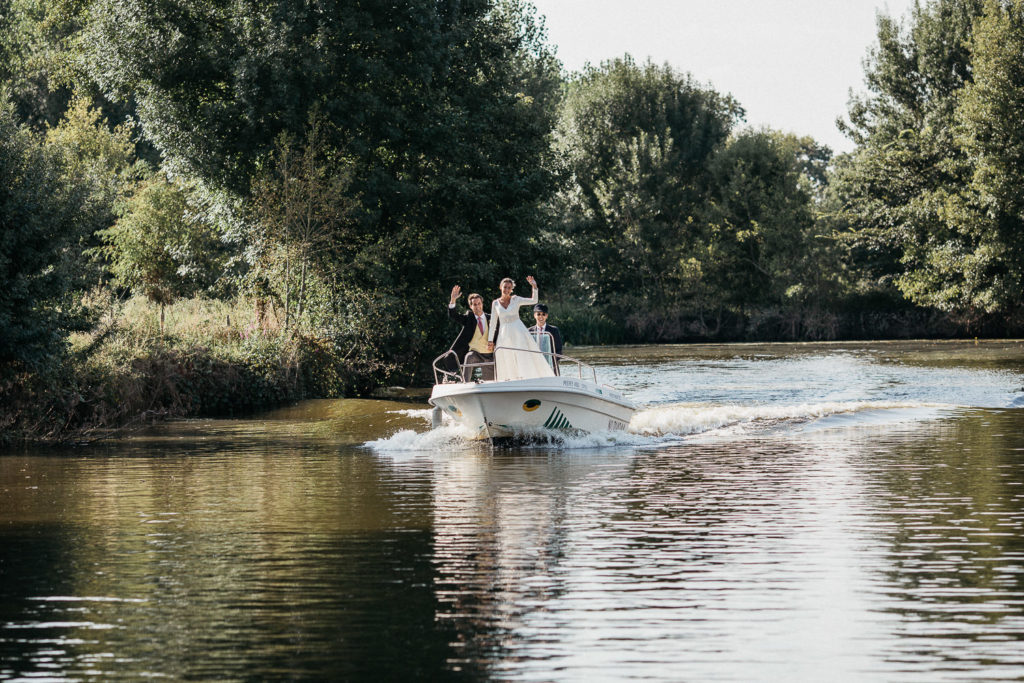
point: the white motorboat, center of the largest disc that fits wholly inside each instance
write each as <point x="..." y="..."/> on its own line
<point x="571" y="400"/>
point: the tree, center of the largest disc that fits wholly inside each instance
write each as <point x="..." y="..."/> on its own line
<point x="638" y="140"/>
<point x="444" y="108"/>
<point x="641" y="196"/>
<point x="30" y="42"/>
<point x="304" y="207"/>
<point x="160" y="247"/>
<point x="43" y="216"/>
<point x="100" y="155"/>
<point x="900" y="188"/>
<point x="761" y="249"/>
<point x="92" y="148"/>
<point x="983" y="268"/>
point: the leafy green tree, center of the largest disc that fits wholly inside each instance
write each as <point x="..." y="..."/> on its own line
<point x="638" y="140"/>
<point x="304" y="209"/>
<point x="41" y="60"/>
<point x="99" y="154"/>
<point x="161" y="247"/>
<point x="898" y="189"/>
<point x="92" y="148"/>
<point x="43" y="216"/>
<point x="29" y="54"/>
<point x="761" y="249"/>
<point x="445" y="109"/>
<point x="982" y="267"/>
<point x="642" y="197"/>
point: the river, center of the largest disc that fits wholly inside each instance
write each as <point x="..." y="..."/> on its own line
<point x="775" y="512"/>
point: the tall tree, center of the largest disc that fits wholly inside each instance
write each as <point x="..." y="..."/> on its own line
<point x="305" y="212"/>
<point x="761" y="249"/>
<point x="907" y="172"/>
<point x="44" y="213"/>
<point x="444" y="107"/>
<point x="986" y="272"/>
<point x="638" y="140"/>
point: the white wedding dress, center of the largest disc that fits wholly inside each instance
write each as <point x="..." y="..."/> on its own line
<point x="512" y="334"/>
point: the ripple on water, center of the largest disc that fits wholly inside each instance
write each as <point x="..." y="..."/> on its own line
<point x="840" y="530"/>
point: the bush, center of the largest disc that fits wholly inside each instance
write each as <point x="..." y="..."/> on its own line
<point x="214" y="361"/>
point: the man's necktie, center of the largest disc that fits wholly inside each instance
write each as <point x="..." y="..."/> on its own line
<point x="480" y="324"/>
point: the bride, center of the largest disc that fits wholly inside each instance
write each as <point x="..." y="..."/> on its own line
<point x="512" y="335"/>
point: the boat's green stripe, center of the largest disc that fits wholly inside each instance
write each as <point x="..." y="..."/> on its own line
<point x="556" y="420"/>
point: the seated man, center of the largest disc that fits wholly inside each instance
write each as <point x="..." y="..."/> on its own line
<point x="540" y="314"/>
<point x="471" y="343"/>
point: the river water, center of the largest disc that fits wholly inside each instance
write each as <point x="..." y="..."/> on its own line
<point x="774" y="512"/>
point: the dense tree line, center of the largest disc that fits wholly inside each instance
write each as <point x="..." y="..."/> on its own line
<point x="347" y="161"/>
<point x="674" y="220"/>
<point x="930" y="196"/>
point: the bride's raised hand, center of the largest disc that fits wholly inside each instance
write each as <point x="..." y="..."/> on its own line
<point x="533" y="283"/>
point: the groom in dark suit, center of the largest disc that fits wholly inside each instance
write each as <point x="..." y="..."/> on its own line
<point x="540" y="314"/>
<point x="471" y="343"/>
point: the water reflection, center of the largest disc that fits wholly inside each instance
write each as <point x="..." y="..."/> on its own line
<point x="773" y="559"/>
<point x="883" y="545"/>
<point x="954" y="568"/>
<point x="205" y="567"/>
<point x="640" y="565"/>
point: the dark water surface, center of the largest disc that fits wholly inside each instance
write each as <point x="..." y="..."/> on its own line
<point x="776" y="512"/>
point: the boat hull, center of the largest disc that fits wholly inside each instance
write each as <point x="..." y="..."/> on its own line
<point x="506" y="409"/>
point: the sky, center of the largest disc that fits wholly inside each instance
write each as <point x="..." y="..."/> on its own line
<point x="789" y="63"/>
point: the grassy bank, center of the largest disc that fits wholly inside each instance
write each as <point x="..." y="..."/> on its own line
<point x="215" y="358"/>
<point x="211" y="359"/>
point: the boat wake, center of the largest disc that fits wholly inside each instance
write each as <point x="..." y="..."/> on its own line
<point x="661" y="424"/>
<point x="682" y="419"/>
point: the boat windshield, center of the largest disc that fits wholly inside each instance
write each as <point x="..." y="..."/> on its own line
<point x="513" y="363"/>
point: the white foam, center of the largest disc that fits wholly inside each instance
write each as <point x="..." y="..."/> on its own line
<point x="445" y="437"/>
<point x="456" y="437"/>
<point x="649" y="427"/>
<point x="589" y="440"/>
<point x="696" y="418"/>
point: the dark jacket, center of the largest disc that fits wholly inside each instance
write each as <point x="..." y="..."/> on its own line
<point x="468" y="321"/>
<point x="556" y="336"/>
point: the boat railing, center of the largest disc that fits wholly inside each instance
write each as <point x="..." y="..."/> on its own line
<point x="443" y="364"/>
<point x="448" y="368"/>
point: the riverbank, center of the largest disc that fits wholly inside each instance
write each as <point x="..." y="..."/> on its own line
<point x="214" y="358"/>
<point x="210" y="359"/>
